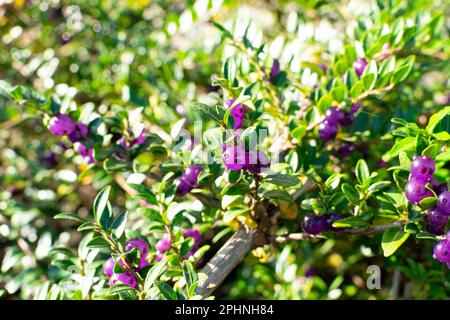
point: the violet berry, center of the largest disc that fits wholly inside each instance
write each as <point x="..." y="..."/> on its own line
<point x="347" y="148"/>
<point x="184" y="186"/>
<point x="436" y="221"/>
<point x="137" y="243"/>
<point x="355" y="107"/>
<point x="442" y="251"/>
<point x="327" y="131"/>
<point x="314" y="224"/>
<point x="108" y="267"/>
<point x="233" y="157"/>
<point x="61" y="124"/>
<point x="334" y="115"/>
<point x="189" y="179"/>
<point x="332" y="218"/>
<point x="256" y="161"/>
<point x="49" y="159"/>
<point x="192" y="172"/>
<point x="125" y="278"/>
<point x="416" y="191"/>
<point x="80" y="133"/>
<point x="194" y="234"/>
<point x="237" y="113"/>
<point x="443" y="203"/>
<point x="347" y="120"/>
<point x="275" y="70"/>
<point x="422" y="168"/>
<point x="140" y="139"/>
<point x="359" y="66"/>
<point x="163" y="245"/>
<point x="441" y="188"/>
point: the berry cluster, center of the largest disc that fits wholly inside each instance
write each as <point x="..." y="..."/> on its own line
<point x="189" y="179"/>
<point x="127" y="278"/>
<point x="163" y="245"/>
<point x="442" y="250"/>
<point x="314" y="224"/>
<point x="335" y="117"/>
<point x="235" y="157"/>
<point x="422" y="170"/>
<point x="63" y="125"/>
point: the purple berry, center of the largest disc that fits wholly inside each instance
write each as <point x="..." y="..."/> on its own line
<point x="359" y="66"/>
<point x="442" y="251"/>
<point x="327" y="131"/>
<point x="125" y="278"/>
<point x="137" y="243"/>
<point x="422" y="168"/>
<point x="163" y="245"/>
<point x="436" y="221"/>
<point x="194" y="234"/>
<point x="334" y="115"/>
<point x="275" y="70"/>
<point x="416" y="191"/>
<point x="140" y="138"/>
<point x="439" y="187"/>
<point x="61" y="124"/>
<point x="233" y="157"/>
<point x="184" y="186"/>
<point x="347" y="148"/>
<point x="348" y="119"/>
<point x="256" y="161"/>
<point x="80" y="133"/>
<point x="355" y="107"/>
<point x="443" y="203"/>
<point x="310" y="273"/>
<point x="382" y="164"/>
<point x="192" y="172"/>
<point x="237" y="113"/>
<point x="108" y="267"/>
<point x="314" y="224"/>
<point x="332" y="218"/>
<point x="85" y="152"/>
<point x="49" y="159"/>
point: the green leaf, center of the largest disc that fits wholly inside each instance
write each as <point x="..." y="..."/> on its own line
<point x="277" y="194"/>
<point x="362" y="171"/>
<point x="119" y="224"/>
<point x="69" y="216"/>
<point x="143" y="193"/>
<point x="283" y="180"/>
<point x="214" y="113"/>
<point x="189" y="274"/>
<point x="118" y="288"/>
<point x="350" y="193"/>
<point x="428" y="202"/>
<point x="333" y="181"/>
<point x="235" y="176"/>
<point x="392" y="240"/>
<point x="154" y="274"/>
<point x="112" y="165"/>
<point x="166" y="290"/>
<point x="436" y="118"/>
<point x="97" y="242"/>
<point x="100" y="206"/>
<point x="404" y="145"/>
<point x="350" y="222"/>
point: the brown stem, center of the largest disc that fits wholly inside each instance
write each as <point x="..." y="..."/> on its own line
<point x="225" y="260"/>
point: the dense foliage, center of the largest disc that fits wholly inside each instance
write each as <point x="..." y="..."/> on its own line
<point x="138" y="136"/>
